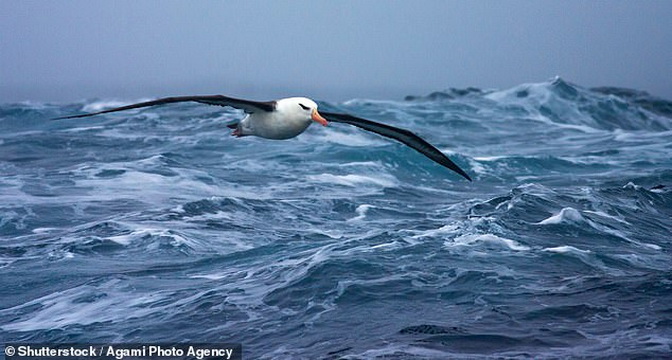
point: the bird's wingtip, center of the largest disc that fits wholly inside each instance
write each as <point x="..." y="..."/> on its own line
<point x="464" y="175"/>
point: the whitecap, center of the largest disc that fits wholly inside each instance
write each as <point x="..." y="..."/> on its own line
<point x="652" y="246"/>
<point x="361" y="212"/>
<point x="174" y="239"/>
<point x="35" y="105"/>
<point x="44" y="230"/>
<point x="566" y="249"/>
<point x="83" y="128"/>
<point x="572" y="216"/>
<point x="217" y="276"/>
<point x="471" y="239"/>
<point x="477" y="167"/>
<point x="489" y="158"/>
<point x="124" y="240"/>
<point x="60" y="254"/>
<point x="566" y="215"/>
<point x="444" y="230"/>
<point x="107" y="104"/>
<point x="632" y="186"/>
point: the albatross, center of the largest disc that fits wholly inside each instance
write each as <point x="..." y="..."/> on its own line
<point x="286" y="118"/>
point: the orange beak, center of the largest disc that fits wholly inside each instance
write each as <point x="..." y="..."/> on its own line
<point x="318" y="118"/>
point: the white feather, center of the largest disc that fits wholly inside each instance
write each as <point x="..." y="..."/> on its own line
<point x="287" y="121"/>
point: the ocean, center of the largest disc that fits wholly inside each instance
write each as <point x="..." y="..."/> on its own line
<point x="157" y="226"/>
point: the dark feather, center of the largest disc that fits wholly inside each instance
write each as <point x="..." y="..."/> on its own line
<point x="247" y="105"/>
<point x="402" y="135"/>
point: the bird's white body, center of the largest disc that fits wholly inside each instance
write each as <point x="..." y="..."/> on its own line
<point x="291" y="117"/>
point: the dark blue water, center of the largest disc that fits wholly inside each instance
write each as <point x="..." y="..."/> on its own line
<point x="156" y="225"/>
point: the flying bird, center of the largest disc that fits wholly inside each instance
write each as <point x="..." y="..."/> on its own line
<point x="286" y="118"/>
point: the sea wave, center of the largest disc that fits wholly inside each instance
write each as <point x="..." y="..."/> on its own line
<point x="156" y="225"/>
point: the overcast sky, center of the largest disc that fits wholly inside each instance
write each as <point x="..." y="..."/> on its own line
<point x="329" y="50"/>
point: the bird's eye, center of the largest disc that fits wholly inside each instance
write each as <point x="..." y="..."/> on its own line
<point x="304" y="107"/>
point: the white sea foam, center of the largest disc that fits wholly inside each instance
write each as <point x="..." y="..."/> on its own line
<point x="477" y="167"/>
<point x="489" y="158"/>
<point x="645" y="138"/>
<point x="572" y="216"/>
<point x="385" y="245"/>
<point x="83" y="128"/>
<point x="652" y="246"/>
<point x="107" y="104"/>
<point x="64" y="308"/>
<point x="361" y="212"/>
<point x="605" y="215"/>
<point x="632" y="186"/>
<point x="444" y="230"/>
<point x="44" y="230"/>
<point x="384" y="180"/>
<point x="122" y="239"/>
<point x="566" y="249"/>
<point x="354" y="139"/>
<point x="362" y="164"/>
<point x="566" y="215"/>
<point x="147" y="186"/>
<point x="472" y="239"/>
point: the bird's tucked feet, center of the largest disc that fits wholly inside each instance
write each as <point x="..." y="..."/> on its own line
<point x="236" y="129"/>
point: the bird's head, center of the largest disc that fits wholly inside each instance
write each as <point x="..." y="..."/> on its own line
<point x="302" y="107"/>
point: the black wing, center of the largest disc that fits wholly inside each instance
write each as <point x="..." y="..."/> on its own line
<point x="401" y="135"/>
<point x="248" y="106"/>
